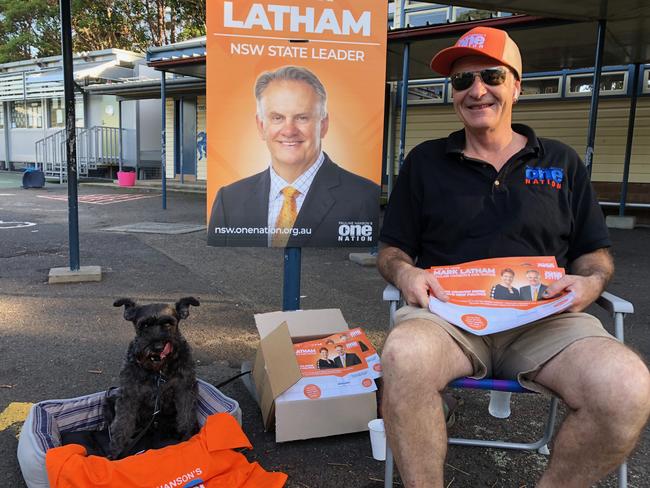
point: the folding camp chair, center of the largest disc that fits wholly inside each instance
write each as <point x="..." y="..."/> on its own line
<point x="616" y="306"/>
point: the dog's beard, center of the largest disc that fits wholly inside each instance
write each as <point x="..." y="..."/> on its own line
<point x="155" y="360"/>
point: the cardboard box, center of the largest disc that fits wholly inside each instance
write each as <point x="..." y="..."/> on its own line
<point x="276" y="369"/>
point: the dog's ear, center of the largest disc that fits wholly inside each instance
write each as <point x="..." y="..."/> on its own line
<point x="129" y="307"/>
<point x="183" y="306"/>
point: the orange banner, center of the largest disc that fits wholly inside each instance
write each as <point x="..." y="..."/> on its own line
<point x="338" y="45"/>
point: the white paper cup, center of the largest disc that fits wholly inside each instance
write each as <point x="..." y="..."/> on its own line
<point x="499" y="404"/>
<point x="377" y="439"/>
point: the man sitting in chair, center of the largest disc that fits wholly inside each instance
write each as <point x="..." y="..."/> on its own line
<point x="495" y="189"/>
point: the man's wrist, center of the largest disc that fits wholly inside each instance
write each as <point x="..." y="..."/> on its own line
<point x="402" y="269"/>
<point x="599" y="277"/>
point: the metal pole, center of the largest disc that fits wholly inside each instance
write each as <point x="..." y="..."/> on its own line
<point x="5" y="116"/>
<point x="119" y="130"/>
<point x="291" y="288"/>
<point x="630" y="138"/>
<point x="404" y="103"/>
<point x="181" y="135"/>
<point x="390" y="160"/>
<point x="163" y="140"/>
<point x="595" y="93"/>
<point x="71" y="135"/>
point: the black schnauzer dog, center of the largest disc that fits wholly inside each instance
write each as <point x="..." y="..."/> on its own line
<point x="157" y="383"/>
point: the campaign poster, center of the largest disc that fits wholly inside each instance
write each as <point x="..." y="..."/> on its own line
<point x="295" y="107"/>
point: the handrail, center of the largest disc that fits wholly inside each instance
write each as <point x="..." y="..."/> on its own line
<point x="97" y="146"/>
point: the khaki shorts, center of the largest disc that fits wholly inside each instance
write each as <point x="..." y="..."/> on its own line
<point x="518" y="353"/>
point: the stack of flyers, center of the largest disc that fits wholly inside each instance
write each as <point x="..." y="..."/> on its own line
<point x="493" y="295"/>
<point x="341" y="364"/>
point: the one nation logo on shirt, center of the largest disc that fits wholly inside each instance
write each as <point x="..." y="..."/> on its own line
<point x="552" y="176"/>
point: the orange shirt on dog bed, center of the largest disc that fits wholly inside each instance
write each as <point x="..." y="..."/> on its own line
<point x="206" y="460"/>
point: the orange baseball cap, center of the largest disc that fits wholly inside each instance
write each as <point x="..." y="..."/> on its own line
<point x="491" y="43"/>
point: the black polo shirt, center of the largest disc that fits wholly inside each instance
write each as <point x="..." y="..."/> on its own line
<point x="448" y="209"/>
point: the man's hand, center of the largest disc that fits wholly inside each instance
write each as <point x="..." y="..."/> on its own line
<point x="592" y="272"/>
<point x="397" y="268"/>
<point x="586" y="288"/>
<point x="415" y="283"/>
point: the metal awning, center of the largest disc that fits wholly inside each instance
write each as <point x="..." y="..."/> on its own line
<point x="546" y="44"/>
<point x="553" y="35"/>
<point x="143" y="89"/>
<point x="628" y="23"/>
<point x="49" y="83"/>
<point x="100" y="71"/>
<point x="184" y="58"/>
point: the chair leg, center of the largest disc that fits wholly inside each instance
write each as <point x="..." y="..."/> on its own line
<point x="527" y="446"/>
<point x="388" y="470"/>
<point x="622" y="475"/>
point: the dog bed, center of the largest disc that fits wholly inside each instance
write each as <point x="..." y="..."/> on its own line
<point x="50" y="420"/>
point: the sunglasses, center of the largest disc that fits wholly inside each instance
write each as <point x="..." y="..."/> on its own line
<point x="490" y="76"/>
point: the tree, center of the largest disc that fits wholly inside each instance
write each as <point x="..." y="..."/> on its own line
<point x="105" y="24"/>
<point x="28" y="28"/>
<point x="169" y="21"/>
<point x="31" y="28"/>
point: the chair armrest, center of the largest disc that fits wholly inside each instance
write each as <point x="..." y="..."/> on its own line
<point x="391" y="294"/>
<point x="614" y="304"/>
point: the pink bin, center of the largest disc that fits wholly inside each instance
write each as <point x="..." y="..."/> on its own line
<point x="126" y="178"/>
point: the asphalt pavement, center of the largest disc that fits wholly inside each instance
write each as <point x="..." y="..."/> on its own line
<point x="67" y="340"/>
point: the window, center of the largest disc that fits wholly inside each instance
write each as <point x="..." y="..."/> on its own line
<point x="464" y="14"/>
<point x="27" y="114"/>
<point x="610" y="84"/>
<point x="414" y="4"/>
<point x="56" y="110"/>
<point x="646" y="81"/>
<point x="391" y="14"/>
<point x="540" y="87"/>
<point x="427" y="17"/>
<point x="426" y="93"/>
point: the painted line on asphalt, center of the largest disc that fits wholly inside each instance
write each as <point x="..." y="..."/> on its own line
<point x="101" y="199"/>
<point x="15" y="225"/>
<point x="15" y="413"/>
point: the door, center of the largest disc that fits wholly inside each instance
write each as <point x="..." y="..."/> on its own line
<point x="188" y="134"/>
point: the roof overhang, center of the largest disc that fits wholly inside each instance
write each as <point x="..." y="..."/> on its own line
<point x="184" y="58"/>
<point x="143" y="89"/>
<point x="194" y="66"/>
<point x="546" y="44"/>
<point x="552" y="34"/>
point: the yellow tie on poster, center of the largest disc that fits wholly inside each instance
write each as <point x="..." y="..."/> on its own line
<point x="535" y="294"/>
<point x="286" y="217"/>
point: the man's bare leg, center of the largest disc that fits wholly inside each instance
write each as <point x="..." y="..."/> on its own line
<point x="607" y="388"/>
<point x="419" y="359"/>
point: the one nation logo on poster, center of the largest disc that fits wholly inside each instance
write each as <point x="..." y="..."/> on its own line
<point x="295" y="122"/>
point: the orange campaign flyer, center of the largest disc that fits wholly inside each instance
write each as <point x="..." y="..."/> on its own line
<point x="493" y="295"/>
<point x="341" y="364"/>
<point x="295" y="97"/>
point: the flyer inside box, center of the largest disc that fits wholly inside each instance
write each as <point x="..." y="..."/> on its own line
<point x="277" y="370"/>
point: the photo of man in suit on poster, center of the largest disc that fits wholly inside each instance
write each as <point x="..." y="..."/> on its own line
<point x="303" y="198"/>
<point x="534" y="291"/>
<point x="345" y="359"/>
